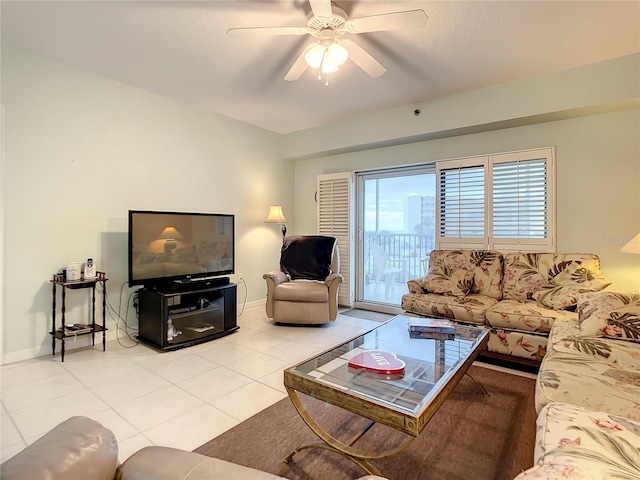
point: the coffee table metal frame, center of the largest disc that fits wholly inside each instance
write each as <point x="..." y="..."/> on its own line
<point x="343" y="391"/>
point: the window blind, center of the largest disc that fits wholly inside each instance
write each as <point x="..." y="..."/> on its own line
<point x="462" y="202"/>
<point x="501" y="202"/>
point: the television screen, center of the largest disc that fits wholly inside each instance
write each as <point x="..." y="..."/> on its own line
<point x="172" y="247"/>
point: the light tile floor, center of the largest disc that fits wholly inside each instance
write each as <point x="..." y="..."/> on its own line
<point x="180" y="399"/>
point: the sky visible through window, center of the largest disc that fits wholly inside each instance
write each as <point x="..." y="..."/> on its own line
<point x="392" y="194"/>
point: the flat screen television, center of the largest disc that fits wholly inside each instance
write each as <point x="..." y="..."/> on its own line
<point x="169" y="249"/>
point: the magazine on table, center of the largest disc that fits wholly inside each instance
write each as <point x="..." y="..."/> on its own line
<point x="433" y="335"/>
<point x="431" y="325"/>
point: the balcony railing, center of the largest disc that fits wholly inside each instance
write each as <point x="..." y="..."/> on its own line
<point x="409" y="251"/>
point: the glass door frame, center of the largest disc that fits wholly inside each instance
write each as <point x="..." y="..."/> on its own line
<point x="360" y="178"/>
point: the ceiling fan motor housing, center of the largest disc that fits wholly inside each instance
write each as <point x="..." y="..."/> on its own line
<point x="336" y="22"/>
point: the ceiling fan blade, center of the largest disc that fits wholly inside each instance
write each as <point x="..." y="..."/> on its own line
<point x="299" y="66"/>
<point x="361" y="58"/>
<point x="321" y="8"/>
<point x="269" y="30"/>
<point x="387" y="21"/>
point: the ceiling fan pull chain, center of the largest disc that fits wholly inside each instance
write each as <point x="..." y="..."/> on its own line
<point x="324" y="55"/>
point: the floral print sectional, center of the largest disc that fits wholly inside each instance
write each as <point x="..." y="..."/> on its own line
<point x="588" y="393"/>
<point x="519" y="296"/>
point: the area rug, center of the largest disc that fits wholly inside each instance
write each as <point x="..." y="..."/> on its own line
<point x="367" y="315"/>
<point x="470" y="436"/>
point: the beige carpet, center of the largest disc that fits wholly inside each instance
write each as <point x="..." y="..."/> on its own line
<point x="470" y="437"/>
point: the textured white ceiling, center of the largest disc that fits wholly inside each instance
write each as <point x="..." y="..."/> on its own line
<point x="180" y="49"/>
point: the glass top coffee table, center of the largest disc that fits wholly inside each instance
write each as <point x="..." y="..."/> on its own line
<point x="405" y="401"/>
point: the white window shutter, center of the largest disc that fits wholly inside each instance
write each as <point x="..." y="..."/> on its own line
<point x="502" y="202"/>
<point x="522" y="194"/>
<point x="335" y="218"/>
<point x="461" y="212"/>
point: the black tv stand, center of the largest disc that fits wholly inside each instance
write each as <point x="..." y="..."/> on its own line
<point x="195" y="313"/>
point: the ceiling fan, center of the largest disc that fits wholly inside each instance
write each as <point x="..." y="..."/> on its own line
<point x="328" y="24"/>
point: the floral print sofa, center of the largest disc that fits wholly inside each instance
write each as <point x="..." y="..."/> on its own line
<point x="588" y="393"/>
<point x="519" y="296"/>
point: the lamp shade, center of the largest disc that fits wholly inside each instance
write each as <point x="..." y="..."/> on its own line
<point x="329" y="57"/>
<point x="275" y="215"/>
<point x="633" y="246"/>
<point x="338" y="53"/>
<point x="170" y="233"/>
<point x="315" y="55"/>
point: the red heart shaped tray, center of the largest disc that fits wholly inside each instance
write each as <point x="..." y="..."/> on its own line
<point x="378" y="361"/>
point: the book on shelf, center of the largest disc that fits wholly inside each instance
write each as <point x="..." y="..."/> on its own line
<point x="433" y="335"/>
<point x="200" y="327"/>
<point x="77" y="329"/>
<point x="431" y="325"/>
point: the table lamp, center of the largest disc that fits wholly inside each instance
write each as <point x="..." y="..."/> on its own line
<point x="170" y="235"/>
<point x="276" y="216"/>
<point x="633" y="246"/>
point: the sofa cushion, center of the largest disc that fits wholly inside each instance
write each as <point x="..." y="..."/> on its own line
<point x="487" y="266"/>
<point x="596" y="373"/>
<point x="532" y="346"/>
<point x="566" y="338"/>
<point x="610" y="314"/>
<point x="446" y="281"/>
<point x="562" y="290"/>
<point x="526" y="273"/>
<point x="470" y="308"/>
<point x="573" y="442"/>
<point x="487" y="278"/>
<point x="527" y="316"/>
<point x="302" y="291"/>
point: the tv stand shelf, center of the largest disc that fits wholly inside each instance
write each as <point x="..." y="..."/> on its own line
<point x="195" y="314"/>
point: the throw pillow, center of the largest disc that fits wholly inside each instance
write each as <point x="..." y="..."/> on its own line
<point x="522" y="276"/>
<point x="448" y="281"/>
<point x="563" y="289"/>
<point x="610" y="314"/>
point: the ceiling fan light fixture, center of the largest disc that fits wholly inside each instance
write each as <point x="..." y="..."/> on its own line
<point x="338" y="53"/>
<point x="315" y="56"/>
<point x="328" y="66"/>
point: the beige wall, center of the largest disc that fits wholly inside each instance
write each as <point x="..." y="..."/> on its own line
<point x="81" y="150"/>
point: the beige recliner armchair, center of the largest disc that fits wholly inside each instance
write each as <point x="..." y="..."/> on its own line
<point x="305" y="290"/>
<point x="82" y="449"/>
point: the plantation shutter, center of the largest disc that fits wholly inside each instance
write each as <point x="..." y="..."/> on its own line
<point x="461" y="205"/>
<point x="335" y="218"/>
<point x="502" y="202"/>
<point x="522" y="201"/>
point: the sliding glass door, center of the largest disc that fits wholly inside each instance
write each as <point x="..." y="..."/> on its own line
<point x="396" y="218"/>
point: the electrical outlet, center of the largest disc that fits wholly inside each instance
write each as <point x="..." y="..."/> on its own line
<point x="240" y="276"/>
